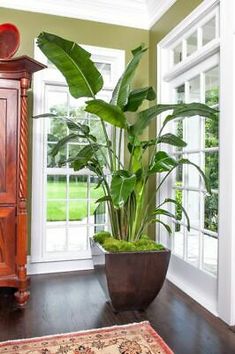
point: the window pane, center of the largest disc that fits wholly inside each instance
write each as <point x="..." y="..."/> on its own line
<point x="178" y="209"/>
<point x="194" y="90"/>
<point x="193" y="246"/>
<point x="180" y="94"/>
<point x="57" y="102"/>
<point x="105" y="70"/>
<point x="56" y="187"/>
<point x="193" y="124"/>
<point x="77" y="238"/>
<point x="211" y="212"/>
<point x="56" y="210"/>
<point x="78" y="210"/>
<point x="192" y="44"/>
<point x="177" y="53"/>
<point x="212" y="168"/>
<point x="54" y="161"/>
<point x="210" y="254"/>
<point x="78" y="187"/>
<point x="56" y="129"/>
<point x="192" y="176"/>
<point x="56" y="239"/>
<point x="208" y="31"/>
<point x="193" y="208"/>
<point x="179" y="242"/>
<point x="212" y="100"/>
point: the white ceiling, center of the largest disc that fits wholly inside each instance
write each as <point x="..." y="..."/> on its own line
<point x="132" y="13"/>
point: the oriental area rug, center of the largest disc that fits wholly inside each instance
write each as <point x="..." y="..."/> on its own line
<point x="136" y="338"/>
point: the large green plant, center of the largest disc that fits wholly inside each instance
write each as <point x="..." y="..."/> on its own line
<point x="130" y="209"/>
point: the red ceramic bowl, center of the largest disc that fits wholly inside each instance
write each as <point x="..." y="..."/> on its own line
<point x="9" y="40"/>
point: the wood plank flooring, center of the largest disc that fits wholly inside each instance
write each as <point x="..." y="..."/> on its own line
<point x="68" y="302"/>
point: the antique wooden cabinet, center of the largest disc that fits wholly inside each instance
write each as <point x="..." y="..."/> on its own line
<point x="15" y="80"/>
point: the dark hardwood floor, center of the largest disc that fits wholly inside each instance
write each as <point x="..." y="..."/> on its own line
<point x="70" y="302"/>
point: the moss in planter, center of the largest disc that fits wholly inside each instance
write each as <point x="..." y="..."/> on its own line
<point x="113" y="245"/>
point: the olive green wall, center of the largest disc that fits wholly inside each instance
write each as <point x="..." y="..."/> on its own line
<point x="180" y="10"/>
<point x="104" y="35"/>
<point x="83" y="32"/>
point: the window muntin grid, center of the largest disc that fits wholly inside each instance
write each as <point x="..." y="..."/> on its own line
<point x="202" y="34"/>
<point x="70" y="219"/>
<point x="199" y="246"/>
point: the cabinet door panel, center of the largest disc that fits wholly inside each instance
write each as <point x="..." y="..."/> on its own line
<point x="8" y="144"/>
<point x="7" y="241"/>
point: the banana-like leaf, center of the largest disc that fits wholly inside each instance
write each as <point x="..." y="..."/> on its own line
<point x="179" y="205"/>
<point x="84" y="156"/>
<point x="105" y="198"/>
<point x="160" y="211"/>
<point x="206" y="180"/>
<point x="122" y="89"/>
<point x="171" y="139"/>
<point x="45" y="115"/>
<point x="136" y="98"/>
<point x="167" y="227"/>
<point x="108" y="112"/>
<point x="64" y="141"/>
<point x="162" y="163"/>
<point x="191" y="110"/>
<point x="122" y="185"/>
<point x="145" y="117"/>
<point x="82" y="77"/>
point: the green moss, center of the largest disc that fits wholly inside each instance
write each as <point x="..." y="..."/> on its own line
<point x="101" y="236"/>
<point x="111" y="244"/>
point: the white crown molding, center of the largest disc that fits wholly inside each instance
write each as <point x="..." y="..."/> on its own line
<point x="156" y="9"/>
<point x="131" y="13"/>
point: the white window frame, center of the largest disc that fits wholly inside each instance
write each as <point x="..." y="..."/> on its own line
<point x="223" y="303"/>
<point x="183" y="274"/>
<point x="41" y="79"/>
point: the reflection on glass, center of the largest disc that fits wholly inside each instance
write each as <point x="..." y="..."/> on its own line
<point x="212" y="168"/>
<point x="178" y="209"/>
<point x="193" y="246"/>
<point x="56" y="210"/>
<point x="192" y="44"/>
<point x="56" y="187"/>
<point x="194" y="89"/>
<point x="78" y="210"/>
<point x="210" y="254"/>
<point x="192" y="175"/>
<point x="177" y="51"/>
<point x="212" y="100"/>
<point x="211" y="212"/>
<point x="78" y="187"/>
<point x="180" y="94"/>
<point x="77" y="238"/>
<point x="208" y="31"/>
<point x="105" y="70"/>
<point x="56" y="239"/>
<point x="193" y="208"/>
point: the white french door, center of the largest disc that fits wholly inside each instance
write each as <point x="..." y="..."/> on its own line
<point x="189" y="71"/>
<point x="64" y="212"/>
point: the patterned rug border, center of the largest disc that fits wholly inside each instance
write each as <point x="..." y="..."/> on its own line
<point x="94" y="330"/>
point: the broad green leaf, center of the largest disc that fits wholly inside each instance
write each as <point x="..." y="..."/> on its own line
<point x="179" y="205"/>
<point x="122" y="89"/>
<point x="206" y="180"/>
<point x="108" y="112"/>
<point x="160" y="211"/>
<point x="144" y="117"/>
<point x="64" y="141"/>
<point x="167" y="227"/>
<point x="136" y="98"/>
<point x="105" y="198"/>
<point x="82" y="77"/>
<point x="171" y="139"/>
<point x="122" y="185"/>
<point x="162" y="163"/>
<point x="191" y="110"/>
<point x="84" y="156"/>
<point x="45" y="115"/>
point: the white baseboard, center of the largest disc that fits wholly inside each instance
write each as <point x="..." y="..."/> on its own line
<point x="58" y="266"/>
